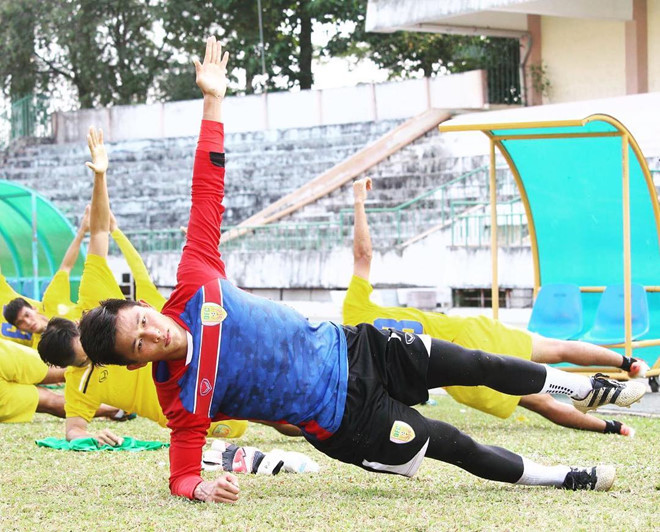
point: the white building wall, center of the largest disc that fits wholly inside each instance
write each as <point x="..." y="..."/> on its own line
<point x="280" y="110"/>
<point x="585" y="59"/>
<point x="653" y="17"/>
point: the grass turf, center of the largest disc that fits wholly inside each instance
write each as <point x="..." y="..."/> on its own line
<point x="60" y="490"/>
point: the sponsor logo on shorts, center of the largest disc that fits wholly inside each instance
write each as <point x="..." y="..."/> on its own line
<point x="401" y="432"/>
<point x="205" y="387"/>
<point x="410" y="338"/>
<point x="212" y="314"/>
<point x="221" y="430"/>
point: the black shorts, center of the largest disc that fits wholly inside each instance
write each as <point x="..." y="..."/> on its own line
<point x="386" y="376"/>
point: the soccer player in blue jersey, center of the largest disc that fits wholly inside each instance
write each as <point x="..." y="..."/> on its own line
<point x="219" y="352"/>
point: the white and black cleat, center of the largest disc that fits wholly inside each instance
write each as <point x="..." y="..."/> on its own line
<point x="610" y="392"/>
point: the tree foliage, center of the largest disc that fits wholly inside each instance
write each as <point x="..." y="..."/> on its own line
<point x="126" y="51"/>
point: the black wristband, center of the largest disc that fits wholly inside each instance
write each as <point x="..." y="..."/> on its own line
<point x="612" y="427"/>
<point x="627" y="363"/>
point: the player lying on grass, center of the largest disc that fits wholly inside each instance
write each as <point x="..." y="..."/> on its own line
<point x="479" y="332"/>
<point x="21" y="373"/>
<point x="88" y="386"/>
<point x="218" y="352"/>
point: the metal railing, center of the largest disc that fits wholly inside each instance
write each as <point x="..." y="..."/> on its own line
<point x="474" y="229"/>
<point x="503" y="75"/>
<point x="25" y="117"/>
<point x="390" y="226"/>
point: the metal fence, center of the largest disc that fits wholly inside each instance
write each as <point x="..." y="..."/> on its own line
<point x="474" y="229"/>
<point x="504" y="74"/>
<point x="25" y="117"/>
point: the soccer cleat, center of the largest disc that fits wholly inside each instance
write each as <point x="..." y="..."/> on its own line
<point x="598" y="478"/>
<point x="607" y="391"/>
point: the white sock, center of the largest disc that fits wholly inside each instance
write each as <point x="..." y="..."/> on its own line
<point x="571" y="384"/>
<point x="539" y="475"/>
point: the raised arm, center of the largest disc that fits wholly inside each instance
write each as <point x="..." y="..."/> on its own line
<point x="362" y="251"/>
<point x="99" y="222"/>
<point x="71" y="254"/>
<point x="201" y="259"/>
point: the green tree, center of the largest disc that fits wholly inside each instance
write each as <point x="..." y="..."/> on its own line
<point x="19" y="74"/>
<point x="236" y="24"/>
<point x="105" y="49"/>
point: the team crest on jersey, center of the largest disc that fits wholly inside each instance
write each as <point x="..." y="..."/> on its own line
<point x="401" y="432"/>
<point x="103" y="376"/>
<point x="221" y="431"/>
<point x="205" y="387"/>
<point x="212" y="314"/>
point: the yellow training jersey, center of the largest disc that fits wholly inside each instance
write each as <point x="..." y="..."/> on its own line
<point x="7" y="330"/>
<point x="20" y="369"/>
<point x="477" y="332"/>
<point x="56" y="302"/>
<point x="132" y="391"/>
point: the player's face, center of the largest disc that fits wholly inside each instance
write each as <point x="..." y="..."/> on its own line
<point x="80" y="359"/>
<point x="29" y="320"/>
<point x="145" y="335"/>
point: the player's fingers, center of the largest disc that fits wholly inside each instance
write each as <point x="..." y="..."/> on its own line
<point x="225" y="58"/>
<point x="209" y="46"/>
<point x="89" y="142"/>
<point x="90" y="166"/>
<point x="100" y="136"/>
<point x="224" y="496"/>
<point x="198" y="65"/>
<point x="368" y="183"/>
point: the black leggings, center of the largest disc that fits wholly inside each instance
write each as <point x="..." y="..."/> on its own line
<point x="450" y="445"/>
<point x="453" y="365"/>
<point x="450" y="364"/>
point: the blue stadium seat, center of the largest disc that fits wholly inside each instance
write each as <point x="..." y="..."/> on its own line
<point x="609" y="325"/>
<point x="557" y="311"/>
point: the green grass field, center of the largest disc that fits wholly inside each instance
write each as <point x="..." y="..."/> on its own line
<point x="43" y="489"/>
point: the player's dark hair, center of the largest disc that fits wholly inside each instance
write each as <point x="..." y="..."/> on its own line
<point x="98" y="330"/>
<point x="56" y="344"/>
<point x="12" y="309"/>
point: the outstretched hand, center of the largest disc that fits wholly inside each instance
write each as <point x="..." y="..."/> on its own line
<point x="360" y="188"/>
<point x="211" y="75"/>
<point x="99" y="164"/>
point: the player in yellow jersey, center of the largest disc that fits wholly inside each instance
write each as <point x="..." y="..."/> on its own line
<point x="88" y="386"/>
<point x="21" y="371"/>
<point x="478" y="333"/>
<point x="24" y="319"/>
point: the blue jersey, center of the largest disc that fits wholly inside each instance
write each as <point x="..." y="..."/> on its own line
<point x="268" y="362"/>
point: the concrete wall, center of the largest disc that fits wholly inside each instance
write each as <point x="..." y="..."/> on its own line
<point x="653" y="17"/>
<point x="585" y="58"/>
<point x="280" y="110"/>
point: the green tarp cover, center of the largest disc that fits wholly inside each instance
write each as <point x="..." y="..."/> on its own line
<point x="19" y="255"/>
